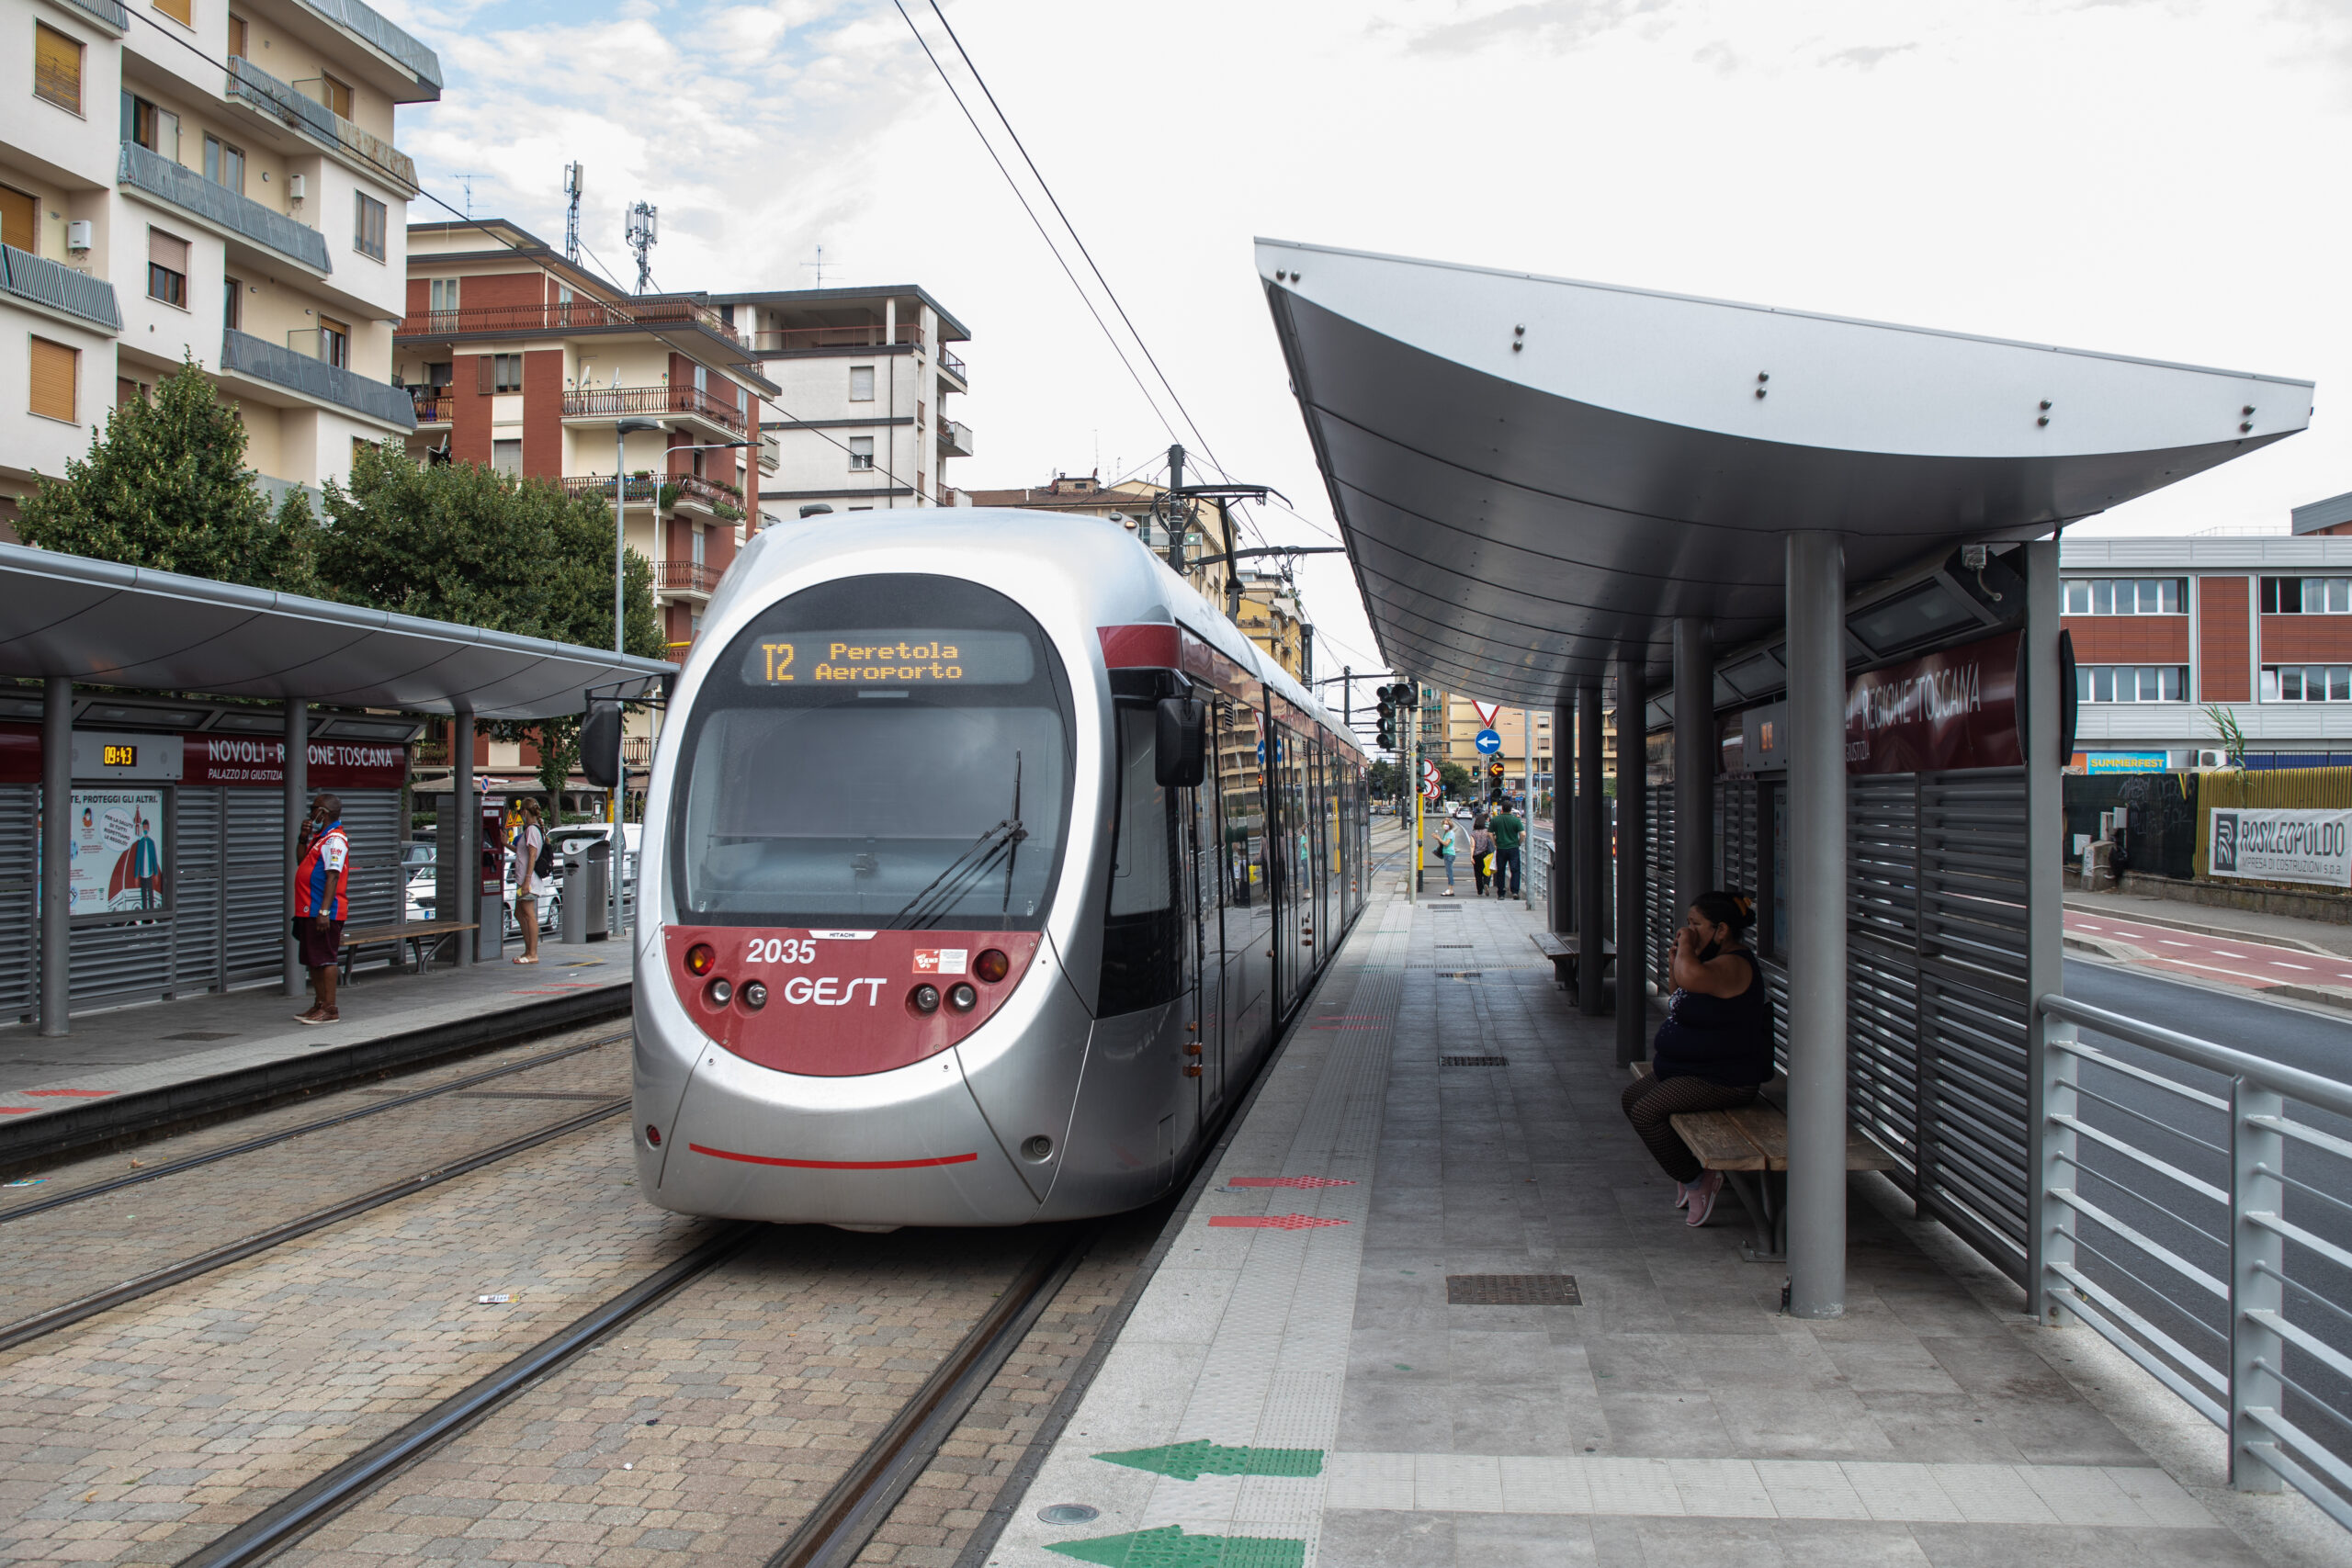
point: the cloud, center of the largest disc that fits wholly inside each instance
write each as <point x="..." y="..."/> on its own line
<point x="1553" y="25"/>
<point x="1867" y="57"/>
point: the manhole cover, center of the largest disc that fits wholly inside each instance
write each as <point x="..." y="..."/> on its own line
<point x="1513" y="1291"/>
<point x="1068" y="1513"/>
<point x="1474" y="1062"/>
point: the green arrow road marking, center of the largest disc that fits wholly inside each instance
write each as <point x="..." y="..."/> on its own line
<point x="1170" y="1547"/>
<point x="1190" y="1462"/>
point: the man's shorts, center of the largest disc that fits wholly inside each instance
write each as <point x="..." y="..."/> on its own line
<point x="321" y="947"/>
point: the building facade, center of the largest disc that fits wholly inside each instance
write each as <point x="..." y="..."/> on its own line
<point x="517" y="358"/>
<point x="215" y="181"/>
<point x="1449" y="727"/>
<point x="1134" y="505"/>
<point x="2177" y="639"/>
<point x="861" y="379"/>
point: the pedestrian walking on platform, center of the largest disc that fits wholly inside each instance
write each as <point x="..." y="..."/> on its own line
<point x="1509" y="831"/>
<point x="530" y="839"/>
<point x="1448" y="846"/>
<point x="1482" y="850"/>
<point x="1714" y="1050"/>
<point x="321" y="899"/>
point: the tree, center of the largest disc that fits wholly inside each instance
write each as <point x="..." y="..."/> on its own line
<point x="1455" y="780"/>
<point x="1383" y="779"/>
<point x="464" y="543"/>
<point x="165" y="485"/>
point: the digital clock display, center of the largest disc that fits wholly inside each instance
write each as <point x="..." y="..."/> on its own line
<point x="119" y="756"/>
<point x="877" y="658"/>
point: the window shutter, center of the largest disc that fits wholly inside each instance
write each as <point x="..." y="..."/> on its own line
<point x="181" y="11"/>
<point x="167" y="251"/>
<point x="483" y="364"/>
<point x="57" y="67"/>
<point x="54" y="367"/>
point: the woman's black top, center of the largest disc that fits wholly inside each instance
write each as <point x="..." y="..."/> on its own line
<point x="1724" y="1039"/>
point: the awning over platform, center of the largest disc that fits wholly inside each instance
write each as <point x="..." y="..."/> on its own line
<point x="1537" y="475"/>
<point x="120" y="625"/>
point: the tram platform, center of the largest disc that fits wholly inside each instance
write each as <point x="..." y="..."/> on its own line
<point x="131" y="1069"/>
<point x="1340" y="1358"/>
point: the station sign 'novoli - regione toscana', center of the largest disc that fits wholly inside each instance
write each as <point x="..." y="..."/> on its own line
<point x="1956" y="708"/>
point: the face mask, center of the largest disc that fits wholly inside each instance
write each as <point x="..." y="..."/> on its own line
<point x="1707" y="954"/>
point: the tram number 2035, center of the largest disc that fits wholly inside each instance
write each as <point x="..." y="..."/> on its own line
<point x="781" y="950"/>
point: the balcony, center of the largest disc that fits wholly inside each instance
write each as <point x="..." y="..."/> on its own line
<point x="953" y="365"/>
<point x="301" y="113"/>
<point x="370" y="27"/>
<point x="58" y="288"/>
<point x="108" y="13"/>
<point x="711" y="495"/>
<point x="433" y="406"/>
<point x="622" y="403"/>
<point x="576" y="315"/>
<point x="954" y="438"/>
<point x="831" y="340"/>
<point x="771" y="453"/>
<point x="261" y="360"/>
<point x="686" y="577"/>
<point x="223" y="209"/>
<point x="641" y="491"/>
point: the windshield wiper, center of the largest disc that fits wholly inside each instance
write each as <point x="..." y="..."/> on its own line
<point x="960" y="874"/>
<point x="1013" y="858"/>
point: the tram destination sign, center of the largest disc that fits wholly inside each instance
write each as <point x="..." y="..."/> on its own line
<point x="1955" y="708"/>
<point x="2277" y="844"/>
<point x="871" y="657"/>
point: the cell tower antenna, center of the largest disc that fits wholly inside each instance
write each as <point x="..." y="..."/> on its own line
<point x="818" y="266"/>
<point x="574" y="177"/>
<point x="642" y="225"/>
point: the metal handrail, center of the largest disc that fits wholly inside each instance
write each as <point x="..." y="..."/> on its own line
<point x="2268" y="1450"/>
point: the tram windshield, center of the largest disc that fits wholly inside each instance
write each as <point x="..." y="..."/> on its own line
<point x="881" y="753"/>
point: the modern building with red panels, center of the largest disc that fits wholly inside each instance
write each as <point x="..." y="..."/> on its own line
<point x="516" y="357"/>
<point x="2170" y="634"/>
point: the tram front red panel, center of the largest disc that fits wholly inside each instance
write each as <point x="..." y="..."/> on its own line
<point x="840" y="1004"/>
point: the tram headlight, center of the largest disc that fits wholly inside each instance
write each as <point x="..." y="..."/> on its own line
<point x="699" y="958"/>
<point x="992" y="966"/>
<point x="755" y="995"/>
<point x="962" y="997"/>
<point x="924" y="998"/>
<point x="719" y="991"/>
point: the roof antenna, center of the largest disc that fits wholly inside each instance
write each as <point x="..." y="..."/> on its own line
<point x="573" y="178"/>
<point x="816" y="267"/>
<point x="468" y="181"/>
<point x="641" y="237"/>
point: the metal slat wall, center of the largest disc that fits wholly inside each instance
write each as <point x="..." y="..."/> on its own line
<point x="1970" y="1142"/>
<point x="1663" y="916"/>
<point x="19" y="873"/>
<point x="1881" y="963"/>
<point x="371" y="819"/>
<point x="256" y="884"/>
<point x="196" y="895"/>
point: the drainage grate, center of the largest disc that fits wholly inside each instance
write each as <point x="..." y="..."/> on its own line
<point x="1473" y="1061"/>
<point x="1445" y="909"/>
<point x="203" y="1034"/>
<point x="1513" y="1291"/>
<point x="1459" y="973"/>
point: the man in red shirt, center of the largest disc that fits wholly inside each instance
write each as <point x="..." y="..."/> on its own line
<point x="321" y="898"/>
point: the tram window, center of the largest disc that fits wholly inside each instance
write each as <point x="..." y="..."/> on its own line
<point x="1142" y="934"/>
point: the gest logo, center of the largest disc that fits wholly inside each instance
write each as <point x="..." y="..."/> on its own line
<point x="829" y="992"/>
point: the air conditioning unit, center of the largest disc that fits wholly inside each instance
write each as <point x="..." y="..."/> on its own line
<point x="78" y="235"/>
<point x="296" y="186"/>
<point x="2213" y="759"/>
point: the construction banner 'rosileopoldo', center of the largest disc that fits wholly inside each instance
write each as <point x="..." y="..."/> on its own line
<point x="2280" y="844"/>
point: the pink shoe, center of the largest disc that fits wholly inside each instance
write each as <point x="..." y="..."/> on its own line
<point x="1682" y="1194"/>
<point x="1703" y="1198"/>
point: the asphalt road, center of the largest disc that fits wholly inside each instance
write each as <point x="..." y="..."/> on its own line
<point x="2194" y="1137"/>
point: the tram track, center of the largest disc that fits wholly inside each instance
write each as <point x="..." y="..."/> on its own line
<point x="268" y="1140"/>
<point x="25" y="1329"/>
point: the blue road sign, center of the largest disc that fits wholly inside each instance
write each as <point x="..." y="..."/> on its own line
<point x="1489" y="742"/>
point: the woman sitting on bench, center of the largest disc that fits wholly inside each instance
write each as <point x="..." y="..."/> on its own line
<point x="1714" y="1050"/>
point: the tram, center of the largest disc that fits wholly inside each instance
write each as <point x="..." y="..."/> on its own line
<point x="985" y="861"/>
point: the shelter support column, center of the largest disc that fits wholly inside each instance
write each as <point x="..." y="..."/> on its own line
<point x="1694" y="763"/>
<point x="1816" y="659"/>
<point x="2042" y="722"/>
<point x="463" y="802"/>
<point x="297" y="779"/>
<point x="56" y="844"/>
<point x="1561" y="915"/>
<point x="1632" y="859"/>
<point x="1590" y="867"/>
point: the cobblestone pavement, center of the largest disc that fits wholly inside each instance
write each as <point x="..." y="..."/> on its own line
<point x="706" y="1429"/>
<point x="142" y="1432"/>
<point x="62" y="1255"/>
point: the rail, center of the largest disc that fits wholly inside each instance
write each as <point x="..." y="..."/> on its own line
<point x="1539" y="868"/>
<point x="45" y="282"/>
<point x="860" y="334"/>
<point x="566" y="315"/>
<point x="2161" y="1218"/>
<point x="192" y="193"/>
<point x="951" y="364"/>
<point x="685" y="577"/>
<point x="614" y="403"/>
<point x="266" y="361"/>
<point x="300" y="112"/>
<point x="433" y="407"/>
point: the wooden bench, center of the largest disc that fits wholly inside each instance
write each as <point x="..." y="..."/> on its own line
<point x="428" y="936"/>
<point x="1561" y="948"/>
<point x="1750" y="1147"/>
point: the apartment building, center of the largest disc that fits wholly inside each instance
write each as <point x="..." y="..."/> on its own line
<point x="861" y="379"/>
<point x="1273" y="616"/>
<point x="1449" y="727"/>
<point x="1132" y="504"/>
<point x="2167" y="631"/>
<point x="515" y="357"/>
<point x="206" y="179"/>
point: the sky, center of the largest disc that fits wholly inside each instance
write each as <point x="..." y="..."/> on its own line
<point x="2149" y="177"/>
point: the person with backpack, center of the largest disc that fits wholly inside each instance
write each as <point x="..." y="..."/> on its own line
<point x="534" y="876"/>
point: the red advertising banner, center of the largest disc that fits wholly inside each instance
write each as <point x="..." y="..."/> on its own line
<point x="238" y="759"/>
<point x="1953" y="709"/>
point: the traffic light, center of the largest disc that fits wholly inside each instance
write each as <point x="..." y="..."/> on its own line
<point x="1495" y="779"/>
<point x="1393" y="699"/>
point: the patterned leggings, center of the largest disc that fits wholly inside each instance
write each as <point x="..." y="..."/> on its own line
<point x="1651" y="1103"/>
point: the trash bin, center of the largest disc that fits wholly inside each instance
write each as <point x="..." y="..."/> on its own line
<point x="595" y="884"/>
<point x="572" y="901"/>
